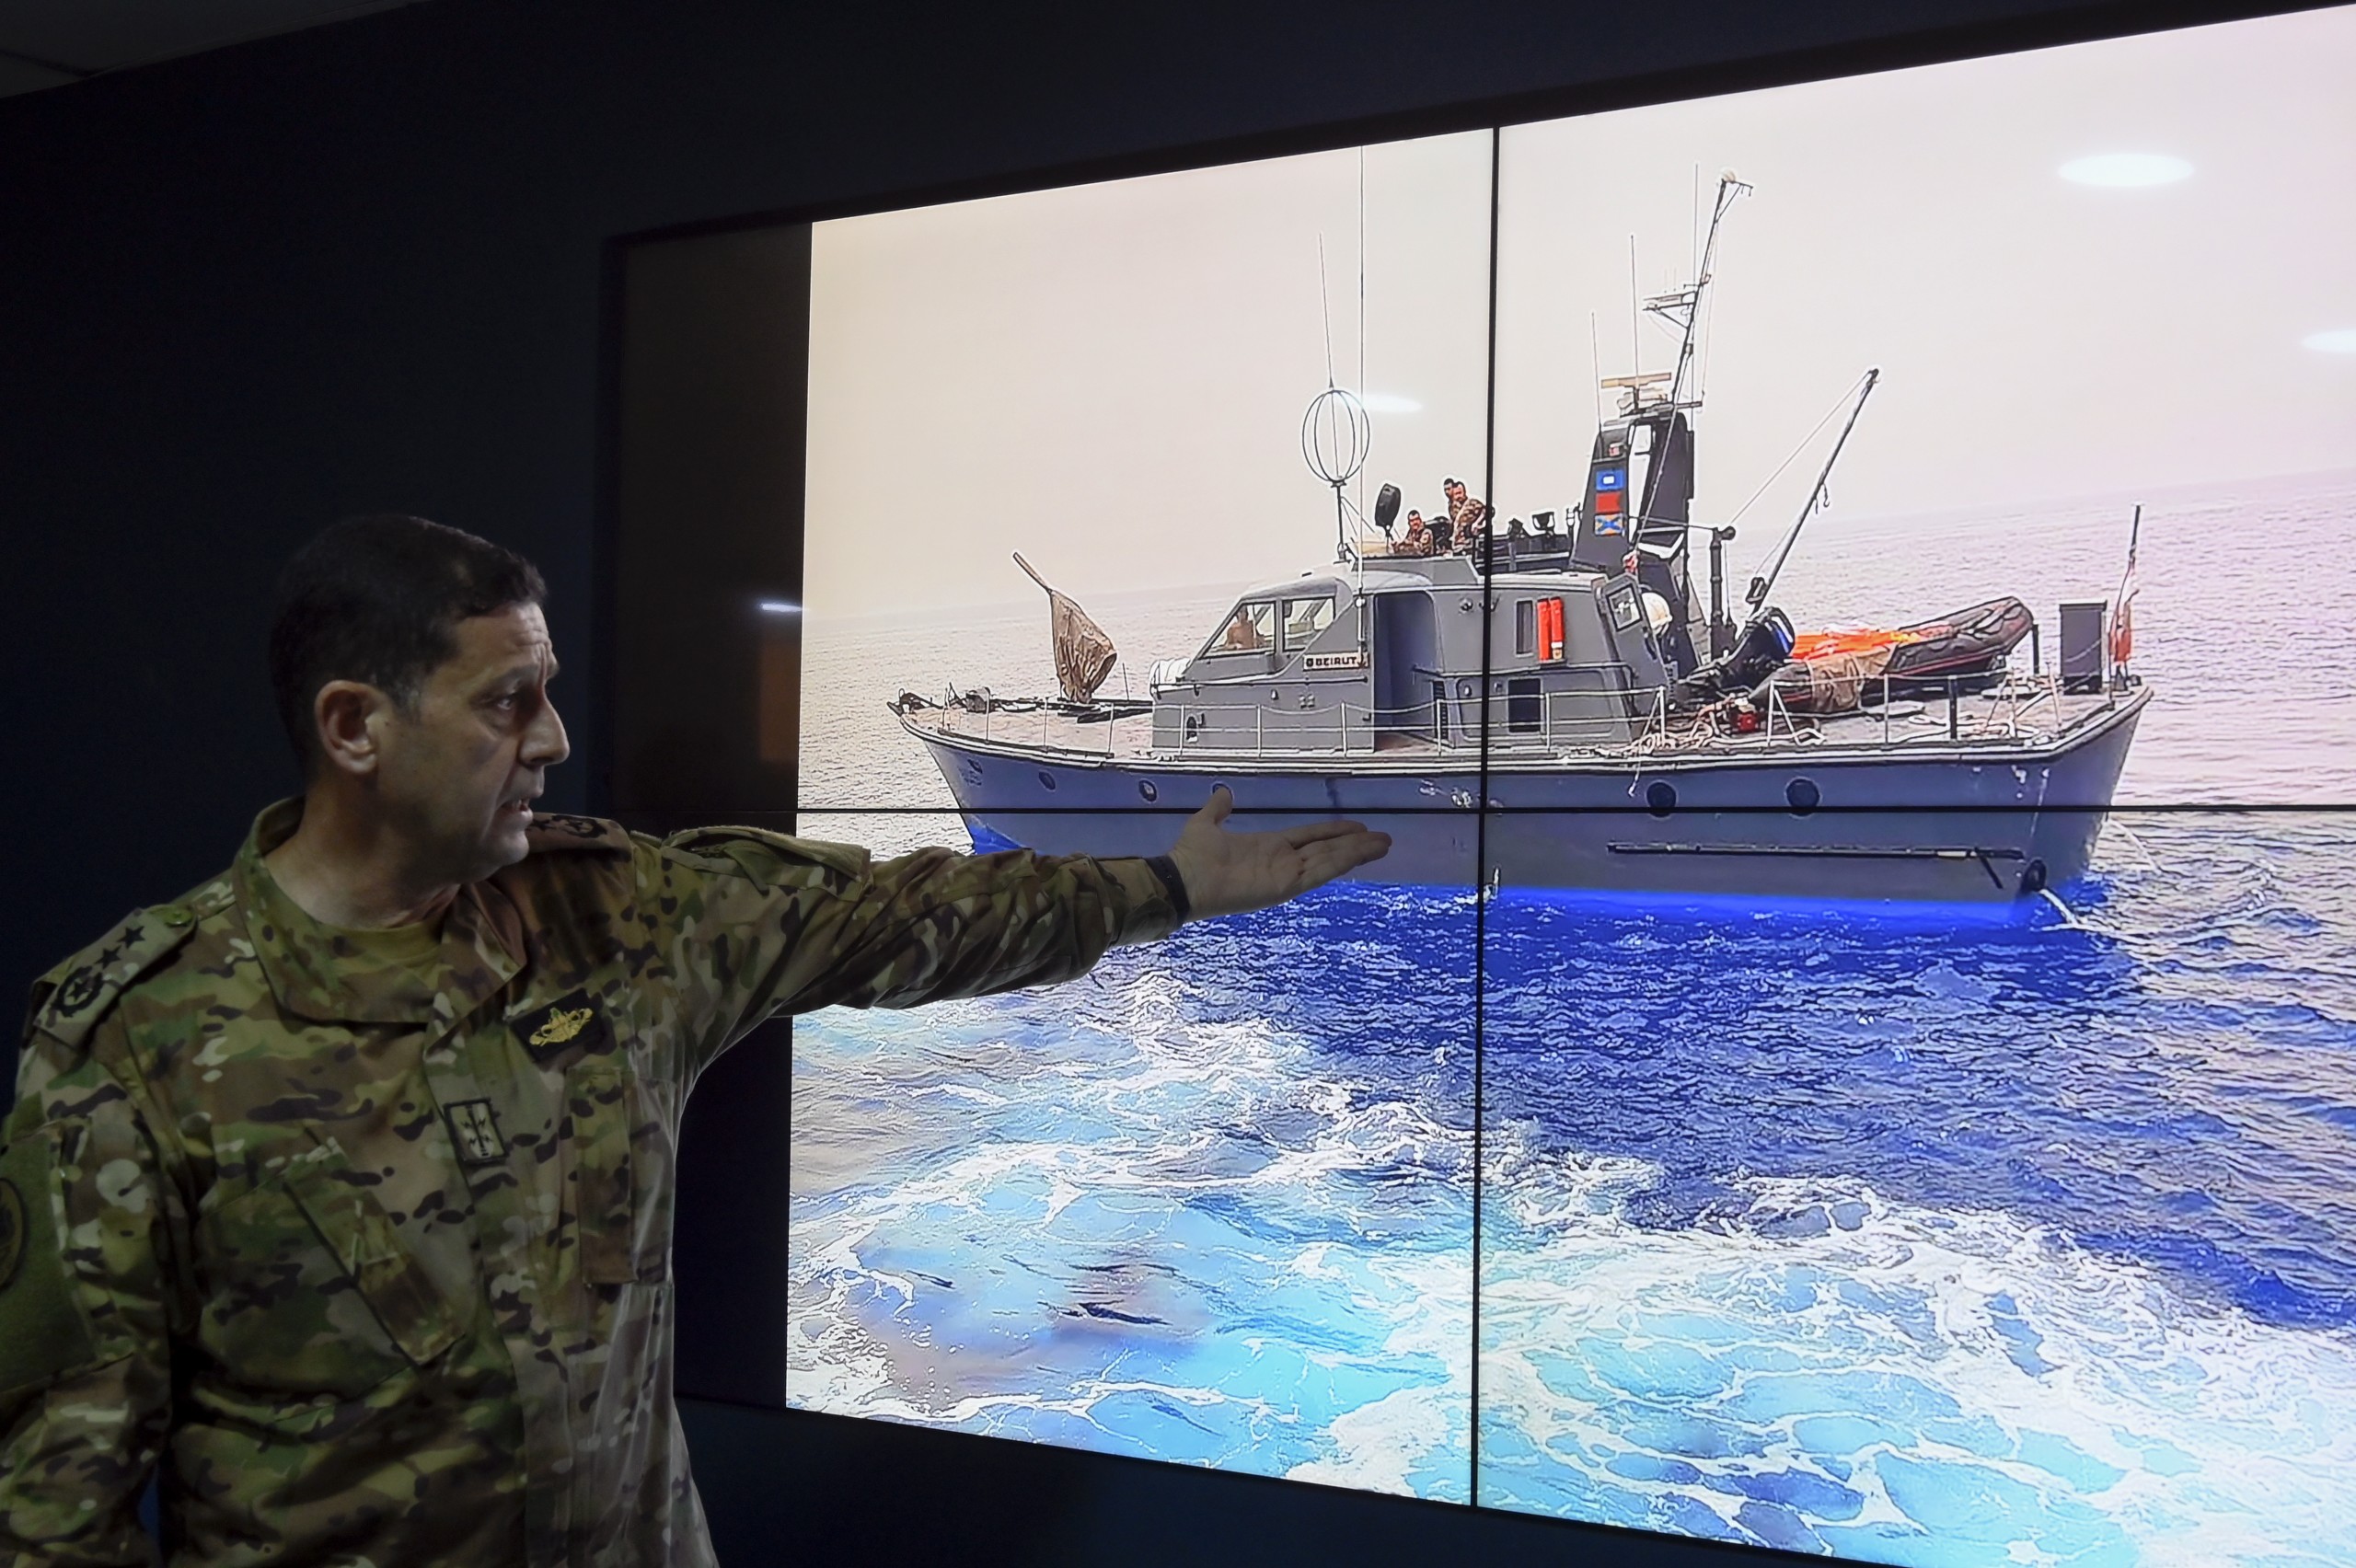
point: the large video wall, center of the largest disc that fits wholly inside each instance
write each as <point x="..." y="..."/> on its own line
<point x="1855" y="1048"/>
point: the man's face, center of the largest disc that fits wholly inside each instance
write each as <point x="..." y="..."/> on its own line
<point x="1455" y="492"/>
<point x="457" y="777"/>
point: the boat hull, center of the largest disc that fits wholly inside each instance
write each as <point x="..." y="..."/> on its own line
<point x="1986" y="826"/>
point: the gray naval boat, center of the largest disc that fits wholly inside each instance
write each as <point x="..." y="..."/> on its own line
<point x="1554" y="705"/>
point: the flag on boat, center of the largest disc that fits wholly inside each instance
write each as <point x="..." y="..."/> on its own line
<point x="2122" y="616"/>
<point x="1084" y="655"/>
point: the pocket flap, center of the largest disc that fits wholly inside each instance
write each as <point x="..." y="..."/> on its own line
<point x="369" y="1249"/>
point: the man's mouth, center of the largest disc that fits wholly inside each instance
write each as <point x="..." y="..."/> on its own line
<point x="516" y="809"/>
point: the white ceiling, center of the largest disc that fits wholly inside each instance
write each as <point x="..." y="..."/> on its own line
<point x="50" y="43"/>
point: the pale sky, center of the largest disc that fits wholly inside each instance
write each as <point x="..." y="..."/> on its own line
<point x="2038" y="338"/>
<point x="1111" y="378"/>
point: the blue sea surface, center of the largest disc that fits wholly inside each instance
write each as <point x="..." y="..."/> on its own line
<point x="1914" y="1243"/>
<point x="1212" y="1203"/>
<point x="1942" y="1246"/>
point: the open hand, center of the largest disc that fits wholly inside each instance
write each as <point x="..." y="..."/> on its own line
<point x="1227" y="873"/>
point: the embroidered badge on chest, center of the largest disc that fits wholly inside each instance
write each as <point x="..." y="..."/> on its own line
<point x="573" y="1023"/>
<point x="475" y="1129"/>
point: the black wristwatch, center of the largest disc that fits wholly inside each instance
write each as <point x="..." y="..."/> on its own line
<point x="1172" y="884"/>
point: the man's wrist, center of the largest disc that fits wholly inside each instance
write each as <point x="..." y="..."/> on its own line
<point x="1173" y="882"/>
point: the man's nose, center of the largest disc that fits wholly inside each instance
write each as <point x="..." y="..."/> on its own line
<point x="545" y="745"/>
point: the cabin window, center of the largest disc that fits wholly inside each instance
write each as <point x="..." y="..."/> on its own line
<point x="1625" y="611"/>
<point x="1523" y="705"/>
<point x="1304" y="619"/>
<point x="1251" y="630"/>
<point x="1525" y="626"/>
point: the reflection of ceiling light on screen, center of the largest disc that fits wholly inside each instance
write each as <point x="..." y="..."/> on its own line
<point x="2341" y="341"/>
<point x="1385" y="403"/>
<point x="779" y="607"/>
<point x="2123" y="169"/>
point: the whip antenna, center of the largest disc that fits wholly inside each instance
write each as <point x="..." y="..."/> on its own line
<point x="1336" y="432"/>
<point x="1764" y="583"/>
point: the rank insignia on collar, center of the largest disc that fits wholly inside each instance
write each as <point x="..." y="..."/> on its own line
<point x="475" y="1128"/>
<point x="558" y="822"/>
<point x="570" y="1024"/>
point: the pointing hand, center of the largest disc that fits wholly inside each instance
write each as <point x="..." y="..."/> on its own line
<point x="1227" y="873"/>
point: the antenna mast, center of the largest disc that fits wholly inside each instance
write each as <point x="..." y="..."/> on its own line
<point x="1682" y="308"/>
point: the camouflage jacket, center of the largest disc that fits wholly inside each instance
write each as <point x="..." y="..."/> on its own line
<point x="376" y="1269"/>
<point x="1464" y="518"/>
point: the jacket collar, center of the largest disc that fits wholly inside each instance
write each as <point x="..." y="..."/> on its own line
<point x="320" y="974"/>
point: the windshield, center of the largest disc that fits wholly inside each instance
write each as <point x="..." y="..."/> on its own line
<point x="1252" y="629"/>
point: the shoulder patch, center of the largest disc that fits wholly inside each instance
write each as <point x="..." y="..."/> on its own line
<point x="71" y="997"/>
<point x="728" y="848"/>
<point x="560" y="830"/>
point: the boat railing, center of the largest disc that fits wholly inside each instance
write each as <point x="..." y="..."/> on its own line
<point x="2022" y="705"/>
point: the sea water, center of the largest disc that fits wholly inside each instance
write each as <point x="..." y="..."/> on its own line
<point x="1892" y="1234"/>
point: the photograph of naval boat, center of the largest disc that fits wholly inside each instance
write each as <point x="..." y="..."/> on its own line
<point x="1624" y="728"/>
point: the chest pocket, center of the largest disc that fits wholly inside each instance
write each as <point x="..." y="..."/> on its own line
<point x="314" y="1289"/>
<point x="620" y="1180"/>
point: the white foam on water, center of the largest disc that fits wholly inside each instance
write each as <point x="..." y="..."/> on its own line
<point x="1155" y="1235"/>
<point x="1382" y="1446"/>
<point x="1980" y="1388"/>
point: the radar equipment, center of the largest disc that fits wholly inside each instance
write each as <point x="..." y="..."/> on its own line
<point x="1334" y="436"/>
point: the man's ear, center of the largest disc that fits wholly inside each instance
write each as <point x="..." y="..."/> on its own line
<point x="346" y="713"/>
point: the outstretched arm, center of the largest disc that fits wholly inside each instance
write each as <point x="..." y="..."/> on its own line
<point x="755" y="923"/>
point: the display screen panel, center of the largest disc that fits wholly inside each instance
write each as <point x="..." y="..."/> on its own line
<point x="1830" y="590"/>
<point x="1935" y="1231"/>
<point x="1213" y="1204"/>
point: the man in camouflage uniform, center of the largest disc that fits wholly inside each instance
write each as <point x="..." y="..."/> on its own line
<point x="1465" y="515"/>
<point x="338" y="1192"/>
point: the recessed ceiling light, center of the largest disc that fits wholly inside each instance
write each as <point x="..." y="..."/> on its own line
<point x="2125" y="170"/>
<point x="2339" y="341"/>
<point x="1388" y="403"/>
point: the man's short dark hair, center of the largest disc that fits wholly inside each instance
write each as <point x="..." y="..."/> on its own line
<point x="378" y="599"/>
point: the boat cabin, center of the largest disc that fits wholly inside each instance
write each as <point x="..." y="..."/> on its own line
<point x="1391" y="658"/>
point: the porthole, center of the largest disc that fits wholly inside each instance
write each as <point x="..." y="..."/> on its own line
<point x="1464" y="688"/>
<point x="2033" y="879"/>
<point x="1145" y="788"/>
<point x="1661" y="799"/>
<point x="1046" y="780"/>
<point x="1803" y="796"/>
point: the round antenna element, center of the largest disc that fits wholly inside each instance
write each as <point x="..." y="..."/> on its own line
<point x="1334" y="436"/>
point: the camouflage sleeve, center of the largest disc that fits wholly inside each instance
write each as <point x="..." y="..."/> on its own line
<point x="757" y="923"/>
<point x="84" y="1367"/>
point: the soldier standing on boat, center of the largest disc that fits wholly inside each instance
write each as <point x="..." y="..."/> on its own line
<point x="345" y="1180"/>
<point x="1465" y="515"/>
